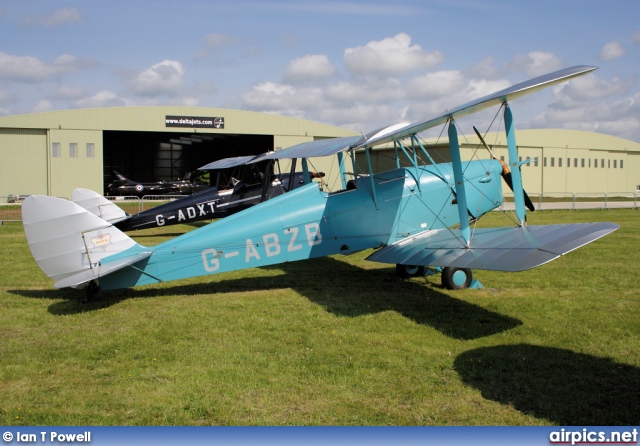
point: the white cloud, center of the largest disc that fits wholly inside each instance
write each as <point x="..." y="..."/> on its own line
<point x="589" y="88"/>
<point x="484" y="69"/>
<point x="214" y="42"/>
<point x="68" y="93"/>
<point x="283" y="99"/>
<point x="43" y="106"/>
<point x="363" y="103"/>
<point x="309" y="69"/>
<point x="437" y="84"/>
<point x="58" y="18"/>
<point x="612" y="51"/>
<point x="164" y="78"/>
<point x="103" y="98"/>
<point x="536" y="63"/>
<point x="32" y="69"/>
<point x="592" y="104"/>
<point x="390" y="56"/>
<point x="383" y="91"/>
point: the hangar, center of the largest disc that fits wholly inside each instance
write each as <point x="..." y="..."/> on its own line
<point x="54" y="152"/>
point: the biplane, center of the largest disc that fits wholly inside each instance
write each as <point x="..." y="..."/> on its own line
<point x="240" y="182"/>
<point x="415" y="216"/>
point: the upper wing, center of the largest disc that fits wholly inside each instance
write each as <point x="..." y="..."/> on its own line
<point x="320" y="147"/>
<point x="499" y="249"/>
<point x="499" y="97"/>
<point x="228" y="162"/>
<point x="395" y="132"/>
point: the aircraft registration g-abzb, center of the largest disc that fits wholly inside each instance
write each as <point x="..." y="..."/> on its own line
<point x="418" y="216"/>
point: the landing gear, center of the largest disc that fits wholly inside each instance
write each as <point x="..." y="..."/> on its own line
<point x="409" y="270"/>
<point x="456" y="278"/>
<point x="91" y="289"/>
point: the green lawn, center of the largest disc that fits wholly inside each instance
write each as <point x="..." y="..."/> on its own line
<point x="332" y="341"/>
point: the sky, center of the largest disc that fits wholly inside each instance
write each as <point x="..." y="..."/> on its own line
<point x="356" y="64"/>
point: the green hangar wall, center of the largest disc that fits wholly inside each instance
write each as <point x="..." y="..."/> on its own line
<point x="52" y="153"/>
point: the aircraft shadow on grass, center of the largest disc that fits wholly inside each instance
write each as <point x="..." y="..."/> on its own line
<point x="562" y="386"/>
<point x="338" y="287"/>
<point x="558" y="385"/>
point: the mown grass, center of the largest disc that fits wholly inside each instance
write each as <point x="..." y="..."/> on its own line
<point x="332" y="341"/>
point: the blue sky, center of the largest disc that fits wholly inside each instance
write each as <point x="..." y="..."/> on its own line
<point x="355" y="64"/>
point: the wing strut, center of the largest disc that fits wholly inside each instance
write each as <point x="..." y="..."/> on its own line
<point x="518" y="192"/>
<point x="461" y="196"/>
<point x="373" y="183"/>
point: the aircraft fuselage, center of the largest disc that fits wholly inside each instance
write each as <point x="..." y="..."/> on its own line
<point x="307" y="223"/>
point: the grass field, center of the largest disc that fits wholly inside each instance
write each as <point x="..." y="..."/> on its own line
<point x="332" y="341"/>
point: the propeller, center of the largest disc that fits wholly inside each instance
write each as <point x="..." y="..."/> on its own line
<point x="506" y="173"/>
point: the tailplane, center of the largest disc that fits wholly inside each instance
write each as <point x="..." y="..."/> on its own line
<point x="68" y="242"/>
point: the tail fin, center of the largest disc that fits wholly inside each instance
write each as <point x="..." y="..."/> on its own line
<point x="98" y="205"/>
<point x="68" y="242"/>
<point x="120" y="176"/>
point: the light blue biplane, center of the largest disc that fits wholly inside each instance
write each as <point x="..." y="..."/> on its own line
<point x="418" y="216"/>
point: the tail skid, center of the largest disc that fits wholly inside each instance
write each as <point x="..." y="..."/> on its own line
<point x="68" y="242"/>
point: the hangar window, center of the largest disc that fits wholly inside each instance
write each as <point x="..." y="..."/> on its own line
<point x="575" y="162"/>
<point x="553" y="161"/>
<point x="55" y="150"/>
<point x="91" y="150"/>
<point x="535" y="161"/>
<point x="615" y="164"/>
<point x="544" y="163"/>
<point x="589" y="162"/>
<point x="582" y="163"/>
<point x="568" y="162"/>
<point x="602" y="163"/>
<point x="559" y="162"/>
<point x="621" y="165"/>
<point x="528" y="161"/>
<point x="595" y="163"/>
<point x="73" y="149"/>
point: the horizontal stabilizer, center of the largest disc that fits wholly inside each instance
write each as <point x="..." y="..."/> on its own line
<point x="498" y="249"/>
<point x="98" y="205"/>
<point x="100" y="271"/>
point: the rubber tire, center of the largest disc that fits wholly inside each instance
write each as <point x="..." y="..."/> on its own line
<point x="409" y="270"/>
<point x="456" y="278"/>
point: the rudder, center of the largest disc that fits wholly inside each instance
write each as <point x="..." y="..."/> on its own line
<point x="68" y="242"/>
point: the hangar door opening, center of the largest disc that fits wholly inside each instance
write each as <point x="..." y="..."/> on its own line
<point x="161" y="156"/>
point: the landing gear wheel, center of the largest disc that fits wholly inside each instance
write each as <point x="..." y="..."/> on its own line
<point x="91" y="289"/>
<point x="456" y="278"/>
<point x="409" y="270"/>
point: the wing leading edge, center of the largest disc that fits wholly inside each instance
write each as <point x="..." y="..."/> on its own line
<point x="500" y="249"/>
